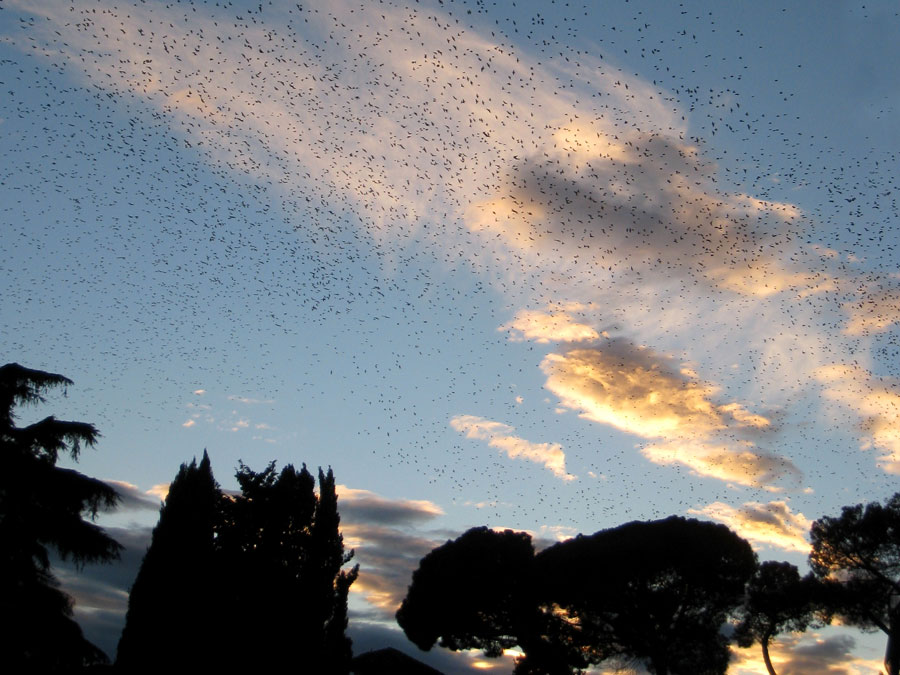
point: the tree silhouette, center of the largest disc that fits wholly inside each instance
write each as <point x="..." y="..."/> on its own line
<point x="654" y="592"/>
<point x="261" y="570"/>
<point x="658" y="593"/>
<point x="858" y="552"/>
<point x="173" y="607"/>
<point x="777" y="600"/>
<point x="41" y="506"/>
<point x="280" y="531"/>
<point x="471" y="593"/>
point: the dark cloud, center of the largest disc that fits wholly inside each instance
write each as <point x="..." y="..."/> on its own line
<point x="387" y="558"/>
<point x="101" y="592"/>
<point x="362" y="506"/>
<point x="131" y="498"/>
<point x="830" y="655"/>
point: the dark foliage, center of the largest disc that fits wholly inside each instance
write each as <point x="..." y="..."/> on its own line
<point x="858" y="555"/>
<point x="654" y="592"/>
<point x="44" y="506"/>
<point x="470" y="593"/>
<point x="657" y="593"/>
<point x="173" y="605"/>
<point x="281" y="533"/>
<point x="250" y="583"/>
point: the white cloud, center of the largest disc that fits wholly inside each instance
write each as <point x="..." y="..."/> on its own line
<point x="499" y="435"/>
<point x="876" y="401"/>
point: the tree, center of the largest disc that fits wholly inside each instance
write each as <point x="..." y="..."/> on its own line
<point x="173" y="607"/>
<point x="858" y="552"/>
<point x="654" y="592"/>
<point x="44" y="506"/>
<point x="280" y="531"/>
<point x="777" y="600"/>
<point x="468" y="593"/>
<point x="261" y="569"/>
<point x="657" y="592"/>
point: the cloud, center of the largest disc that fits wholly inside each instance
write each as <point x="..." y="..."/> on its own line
<point x="805" y="654"/>
<point x="499" y="435"/>
<point x="387" y="556"/>
<point x="131" y="498"/>
<point x="160" y="490"/>
<point x="189" y="423"/>
<point x="548" y="326"/>
<point x="638" y="391"/>
<point x="772" y="524"/>
<point x="250" y="401"/>
<point x="876" y="401"/>
<point x="874" y="313"/>
<point x="362" y="506"/>
<point x="742" y="463"/>
<point x="101" y="591"/>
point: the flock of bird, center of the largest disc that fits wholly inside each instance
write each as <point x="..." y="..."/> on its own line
<point x="342" y="198"/>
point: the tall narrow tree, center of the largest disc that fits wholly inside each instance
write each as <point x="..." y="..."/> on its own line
<point x="44" y="506"/>
<point x="172" y="614"/>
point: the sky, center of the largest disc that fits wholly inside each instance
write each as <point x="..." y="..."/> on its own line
<point x="548" y="266"/>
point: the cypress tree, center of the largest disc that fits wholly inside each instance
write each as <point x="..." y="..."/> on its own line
<point x="172" y="608"/>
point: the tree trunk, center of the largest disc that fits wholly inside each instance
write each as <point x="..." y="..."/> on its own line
<point x="765" y="650"/>
<point x="892" y="654"/>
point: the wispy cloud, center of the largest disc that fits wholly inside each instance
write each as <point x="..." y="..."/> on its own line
<point x="874" y="312"/>
<point x="500" y="436"/>
<point x="772" y="524"/>
<point x="876" y="402"/>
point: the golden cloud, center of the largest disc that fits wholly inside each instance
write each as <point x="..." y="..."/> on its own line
<point x="772" y="524"/>
<point x="741" y="463"/>
<point x="635" y="390"/>
<point x="548" y="326"/>
<point x="499" y="435"/>
<point x="638" y="391"/>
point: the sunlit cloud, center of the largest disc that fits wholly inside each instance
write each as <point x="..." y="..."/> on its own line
<point x="763" y="525"/>
<point x="161" y="491"/>
<point x="387" y="557"/>
<point x="548" y="326"/>
<point x="189" y="423"/>
<point x="740" y="463"/>
<point x="499" y="435"/>
<point x="132" y="498"/>
<point x="805" y="654"/>
<point x="638" y="391"/>
<point x="876" y="401"/>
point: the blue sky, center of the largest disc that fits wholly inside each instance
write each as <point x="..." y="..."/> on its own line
<point x="546" y="266"/>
